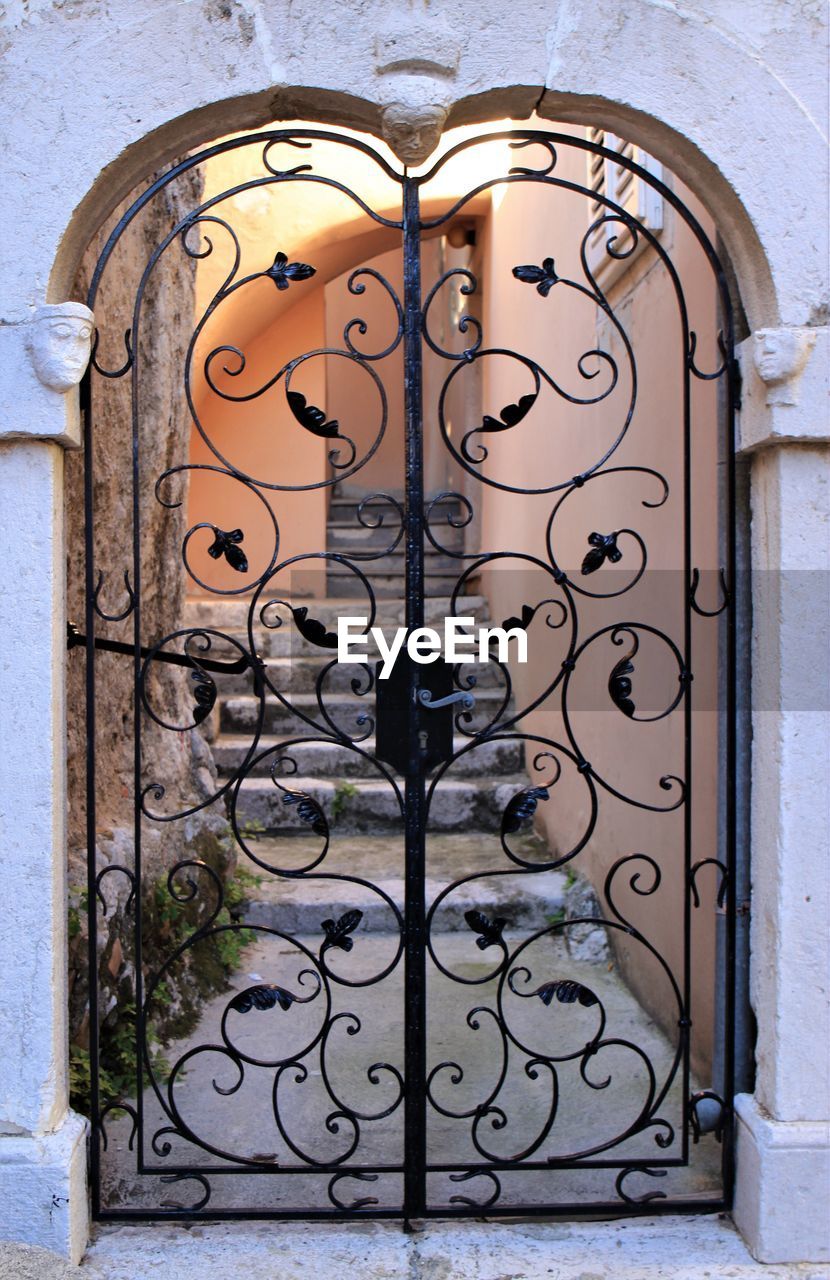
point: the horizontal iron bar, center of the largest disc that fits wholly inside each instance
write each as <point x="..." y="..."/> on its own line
<point x="74" y="640"/>
<point x="530" y="1166"/>
<point x="614" y="1209"/>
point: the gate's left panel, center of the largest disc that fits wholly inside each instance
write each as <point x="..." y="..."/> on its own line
<point x="237" y="1038"/>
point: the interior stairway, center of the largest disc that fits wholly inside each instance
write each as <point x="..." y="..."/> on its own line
<point x="359" y="805"/>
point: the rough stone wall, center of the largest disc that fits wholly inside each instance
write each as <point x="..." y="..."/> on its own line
<point x="182" y="761"/>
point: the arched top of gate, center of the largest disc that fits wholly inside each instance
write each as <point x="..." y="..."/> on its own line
<point x="286" y="155"/>
<point x="331" y="112"/>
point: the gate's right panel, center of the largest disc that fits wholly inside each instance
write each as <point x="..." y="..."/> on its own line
<point x="579" y="845"/>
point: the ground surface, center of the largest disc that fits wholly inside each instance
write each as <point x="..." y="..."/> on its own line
<point x="671" y="1248"/>
<point x="238" y="1116"/>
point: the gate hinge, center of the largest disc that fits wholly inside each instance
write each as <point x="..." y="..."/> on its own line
<point x="737" y="382"/>
<point x="741" y="908"/>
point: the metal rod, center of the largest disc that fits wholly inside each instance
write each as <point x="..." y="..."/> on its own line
<point x="75" y="640"/>
<point x="91" y="833"/>
<point x="415" y="950"/>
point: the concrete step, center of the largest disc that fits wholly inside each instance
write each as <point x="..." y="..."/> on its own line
<point x="389" y="584"/>
<point x="324" y="760"/>
<point x="231" y="615"/>
<point x="348" y="533"/>
<point x="371" y="806"/>
<point x="299" y="674"/>
<point x="395" y="561"/>
<point x="343" y="508"/>
<point x="239" y="714"/>
<point x="300" y="904"/>
<point x="286" y="642"/>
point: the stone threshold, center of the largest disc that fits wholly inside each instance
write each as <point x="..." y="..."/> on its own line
<point x="699" y="1247"/>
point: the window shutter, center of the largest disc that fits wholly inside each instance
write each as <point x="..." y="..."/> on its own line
<point x="610" y="177"/>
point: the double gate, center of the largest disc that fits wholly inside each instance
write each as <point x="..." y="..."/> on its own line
<point x="531" y="1049"/>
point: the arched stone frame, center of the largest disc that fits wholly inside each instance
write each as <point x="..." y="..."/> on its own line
<point x="721" y="102"/>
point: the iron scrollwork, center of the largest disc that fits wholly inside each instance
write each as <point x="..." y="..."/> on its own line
<point x="536" y="1018"/>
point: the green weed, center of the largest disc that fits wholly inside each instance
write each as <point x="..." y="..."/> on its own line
<point x="343" y="792"/>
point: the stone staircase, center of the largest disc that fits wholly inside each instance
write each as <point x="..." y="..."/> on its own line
<point x="360" y="806"/>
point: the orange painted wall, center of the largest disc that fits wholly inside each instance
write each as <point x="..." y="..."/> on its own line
<point x="262" y="438"/>
<point x="557" y="441"/>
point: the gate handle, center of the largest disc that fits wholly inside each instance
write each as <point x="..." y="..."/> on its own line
<point x="467" y="700"/>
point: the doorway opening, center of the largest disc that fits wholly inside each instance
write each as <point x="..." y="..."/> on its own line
<point x="447" y="942"/>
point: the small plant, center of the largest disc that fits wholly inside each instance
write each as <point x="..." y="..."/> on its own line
<point x="163" y="994"/>
<point x="78" y="905"/>
<point x="570" y="877"/>
<point x="252" y="829"/>
<point x="73" y="922"/>
<point x="197" y="974"/>
<point x="176" y="921"/>
<point x="116" y="1062"/>
<point x="236" y="889"/>
<point x="556" y="917"/>
<point x="343" y="792"/>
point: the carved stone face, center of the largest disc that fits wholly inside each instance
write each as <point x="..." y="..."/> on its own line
<point x="780" y="358"/>
<point x="779" y="354"/>
<point x="60" y="343"/>
<point x="413" y="131"/>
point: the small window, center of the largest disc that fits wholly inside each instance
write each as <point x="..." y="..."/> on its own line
<point x="612" y="179"/>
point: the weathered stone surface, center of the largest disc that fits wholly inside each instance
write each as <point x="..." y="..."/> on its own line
<point x="665" y="1248"/>
<point x="164" y="436"/>
<point x="586" y="942"/>
<point x="181" y="761"/>
<point x="27" y="1262"/>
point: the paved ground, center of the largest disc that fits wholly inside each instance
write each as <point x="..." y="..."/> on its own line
<point x="671" y="1248"/>
<point x="238" y="1116"/>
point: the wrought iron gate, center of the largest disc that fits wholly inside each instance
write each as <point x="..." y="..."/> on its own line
<point x="498" y="1078"/>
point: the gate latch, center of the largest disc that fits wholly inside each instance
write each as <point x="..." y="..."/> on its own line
<point x="466" y="699"/>
<point x="394" y="710"/>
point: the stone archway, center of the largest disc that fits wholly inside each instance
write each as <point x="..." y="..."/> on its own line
<point x="592" y="61"/>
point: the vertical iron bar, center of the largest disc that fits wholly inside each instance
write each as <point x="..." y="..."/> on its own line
<point x="91" y="871"/>
<point x="415" y="958"/>
<point x="137" y="902"/>
<point x="688" y="832"/>
<point x="728" y="1138"/>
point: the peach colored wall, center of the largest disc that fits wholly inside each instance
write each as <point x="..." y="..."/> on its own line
<point x="262" y="438"/>
<point x="351" y="393"/>
<point x="348" y="384"/>
<point x="556" y="442"/>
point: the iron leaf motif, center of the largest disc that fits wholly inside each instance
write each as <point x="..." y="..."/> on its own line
<point x="489" y="931"/>
<point x="543" y="277"/>
<point x="619" y="686"/>
<point x="337" y="931"/>
<point x="264" y="997"/>
<point x="313" y="630"/>
<point x="528" y="614"/>
<point x="204" y="695"/>
<point x="566" y="991"/>
<point x="603" y="547"/>
<point x="226" y="543"/>
<point x="282" y="272"/>
<point x="308" y="810"/>
<point x="510" y="415"/>
<point x="521" y="808"/>
<point x="312" y="418"/>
